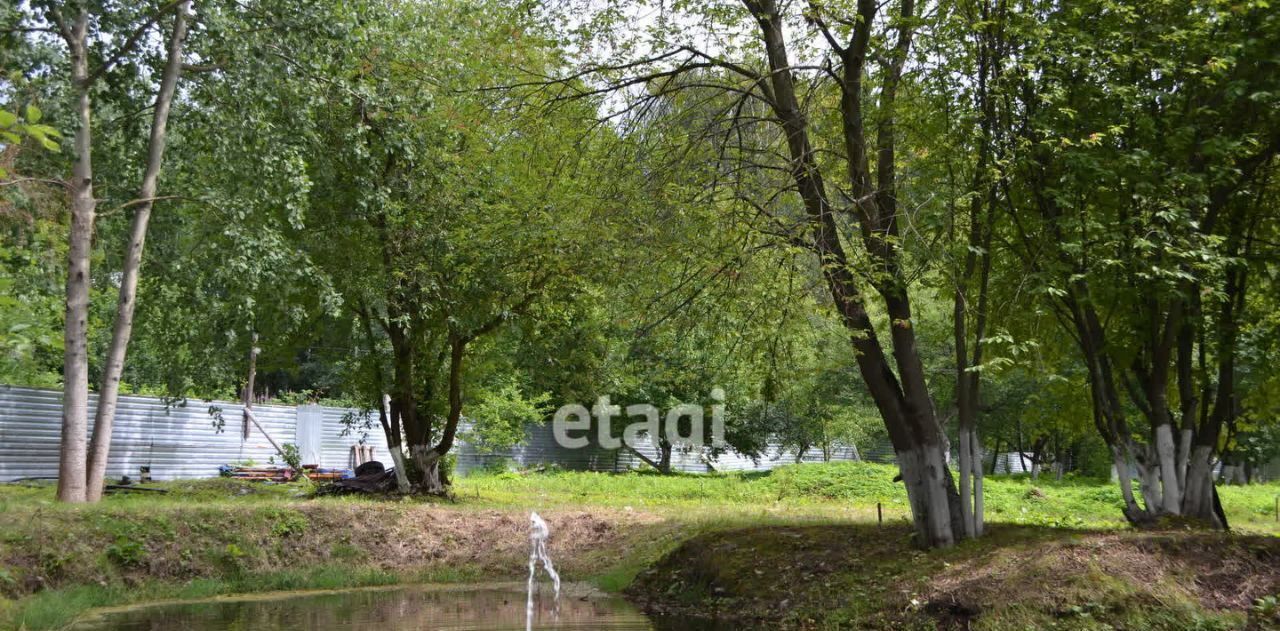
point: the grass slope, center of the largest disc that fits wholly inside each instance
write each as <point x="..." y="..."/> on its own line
<point x="1018" y="577"/>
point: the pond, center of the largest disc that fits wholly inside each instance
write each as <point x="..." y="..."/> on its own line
<point x="453" y="608"/>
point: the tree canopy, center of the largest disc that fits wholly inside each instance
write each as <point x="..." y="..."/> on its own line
<point x="962" y="228"/>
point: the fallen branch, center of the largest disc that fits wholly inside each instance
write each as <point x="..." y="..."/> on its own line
<point x="248" y="413"/>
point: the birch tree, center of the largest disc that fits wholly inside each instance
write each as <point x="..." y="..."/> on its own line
<point x="81" y="472"/>
<point x="108" y="393"/>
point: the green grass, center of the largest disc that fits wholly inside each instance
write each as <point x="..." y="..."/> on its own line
<point x="844" y="490"/>
<point x="840" y="490"/>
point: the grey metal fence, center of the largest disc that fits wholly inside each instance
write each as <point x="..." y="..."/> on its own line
<point x="178" y="440"/>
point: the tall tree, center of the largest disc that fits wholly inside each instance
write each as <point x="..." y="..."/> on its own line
<point x="454" y="214"/>
<point x="1141" y="151"/>
<point x="864" y="53"/>
<point x="80" y="473"/>
<point x="104" y="417"/>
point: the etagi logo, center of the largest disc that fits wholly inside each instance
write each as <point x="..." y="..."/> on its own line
<point x="690" y="433"/>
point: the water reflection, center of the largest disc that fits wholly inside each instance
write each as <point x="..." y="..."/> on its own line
<point x="388" y="609"/>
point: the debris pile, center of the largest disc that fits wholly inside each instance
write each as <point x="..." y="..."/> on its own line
<point x="282" y="474"/>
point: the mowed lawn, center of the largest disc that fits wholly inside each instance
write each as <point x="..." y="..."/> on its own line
<point x="839" y="491"/>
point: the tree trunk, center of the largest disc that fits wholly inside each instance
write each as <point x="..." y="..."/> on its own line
<point x="928" y="480"/>
<point x="434" y="481"/>
<point x="1037" y="456"/>
<point x="435" y="478"/>
<point x="1198" y="500"/>
<point x="395" y="445"/>
<point x="72" y="477"/>
<point x="977" y="259"/>
<point x="979" y="516"/>
<point x="1022" y="453"/>
<point x="390" y="427"/>
<point x="966" y="484"/>
<point x="1149" y="484"/>
<point x="107" y="396"/>
<point x="904" y="405"/>
<point x="248" y="386"/>
<point x="1166" y="453"/>
<point x="1131" y="511"/>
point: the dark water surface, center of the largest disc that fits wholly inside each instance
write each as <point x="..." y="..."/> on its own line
<point x="387" y="609"/>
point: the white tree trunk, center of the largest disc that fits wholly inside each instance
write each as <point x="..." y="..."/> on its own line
<point x="397" y="461"/>
<point x="923" y="473"/>
<point x="397" y="451"/>
<point x="979" y="516"/>
<point x="428" y="461"/>
<point x="109" y="394"/>
<point x="432" y="481"/>
<point x="1149" y="483"/>
<point x="1197" y="500"/>
<point x="75" y="358"/>
<point x="1184" y="457"/>
<point x="1166" y="451"/>
<point x="1125" y="479"/>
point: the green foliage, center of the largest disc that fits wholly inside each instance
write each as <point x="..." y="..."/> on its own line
<point x="30" y="336"/>
<point x="14" y="128"/>
<point x="127" y="552"/>
<point x="364" y="182"/>
<point x="502" y="413"/>
<point x="286" y="523"/>
<point x="1266" y="610"/>
<point x="839" y="481"/>
<point x="291" y="456"/>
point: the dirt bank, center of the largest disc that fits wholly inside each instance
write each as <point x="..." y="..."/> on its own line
<point x="55" y="548"/>
<point x="826" y="577"/>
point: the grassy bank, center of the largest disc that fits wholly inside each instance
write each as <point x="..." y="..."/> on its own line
<point x="214" y="537"/>
<point x="857" y="576"/>
<point x="57" y="561"/>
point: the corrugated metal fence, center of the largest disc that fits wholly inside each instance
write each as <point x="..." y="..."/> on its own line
<point x="178" y="440"/>
<point x="540" y="448"/>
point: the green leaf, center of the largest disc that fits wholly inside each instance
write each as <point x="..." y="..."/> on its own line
<point x="7" y="119"/>
<point x="33" y="114"/>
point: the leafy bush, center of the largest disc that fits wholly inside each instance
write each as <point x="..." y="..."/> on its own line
<point x="286" y="523"/>
<point x="127" y="552"/>
<point x="838" y="481"/>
